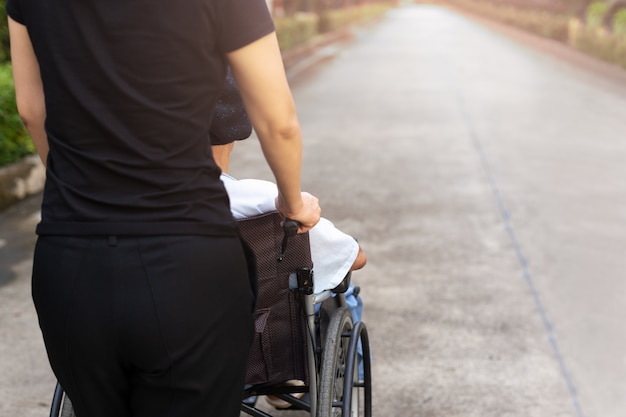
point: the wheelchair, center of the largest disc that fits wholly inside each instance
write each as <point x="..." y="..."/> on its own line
<point x="299" y="335"/>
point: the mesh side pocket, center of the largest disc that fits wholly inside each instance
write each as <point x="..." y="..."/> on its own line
<point x="279" y="350"/>
<point x="260" y="359"/>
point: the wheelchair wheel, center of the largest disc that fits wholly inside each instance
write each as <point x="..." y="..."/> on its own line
<point x="66" y="409"/>
<point x="341" y="392"/>
<point x="327" y="310"/>
<point x="61" y="404"/>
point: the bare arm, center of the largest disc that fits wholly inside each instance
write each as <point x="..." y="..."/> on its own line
<point x="258" y="69"/>
<point x="28" y="87"/>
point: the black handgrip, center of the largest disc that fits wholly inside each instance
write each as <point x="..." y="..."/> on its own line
<point x="290" y="227"/>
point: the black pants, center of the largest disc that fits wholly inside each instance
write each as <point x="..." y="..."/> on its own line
<point x="146" y="326"/>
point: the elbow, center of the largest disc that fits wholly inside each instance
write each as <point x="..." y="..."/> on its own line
<point x="31" y="116"/>
<point x="276" y="126"/>
<point x="288" y="130"/>
<point x="27" y="120"/>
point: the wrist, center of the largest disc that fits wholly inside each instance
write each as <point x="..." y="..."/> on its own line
<point x="289" y="208"/>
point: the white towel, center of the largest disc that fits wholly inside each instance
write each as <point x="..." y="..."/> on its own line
<point x="333" y="253"/>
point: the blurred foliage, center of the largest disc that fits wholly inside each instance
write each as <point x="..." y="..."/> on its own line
<point x="4" y="34"/>
<point x="619" y="22"/>
<point x="333" y="19"/>
<point x="595" y="13"/>
<point x="541" y="22"/>
<point x="295" y="30"/>
<point x="554" y="6"/>
<point x="598" y="42"/>
<point x="303" y="26"/>
<point x="15" y="143"/>
<point x="592" y="38"/>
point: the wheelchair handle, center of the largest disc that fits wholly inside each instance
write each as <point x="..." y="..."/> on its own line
<point x="290" y="227"/>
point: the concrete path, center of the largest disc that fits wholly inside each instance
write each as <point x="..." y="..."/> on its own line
<point x="483" y="172"/>
<point x="26" y="383"/>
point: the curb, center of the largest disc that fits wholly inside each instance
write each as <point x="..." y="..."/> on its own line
<point x="315" y="50"/>
<point x="21" y="180"/>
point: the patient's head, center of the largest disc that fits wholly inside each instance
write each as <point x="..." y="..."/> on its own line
<point x="230" y="122"/>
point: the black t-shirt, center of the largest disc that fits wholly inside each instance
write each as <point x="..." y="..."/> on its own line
<point x="130" y="86"/>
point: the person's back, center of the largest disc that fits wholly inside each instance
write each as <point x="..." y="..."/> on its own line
<point x="130" y="87"/>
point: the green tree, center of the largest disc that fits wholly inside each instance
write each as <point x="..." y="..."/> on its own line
<point x="14" y="140"/>
<point x="4" y="33"/>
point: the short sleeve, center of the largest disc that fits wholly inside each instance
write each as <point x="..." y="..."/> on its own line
<point x="242" y="22"/>
<point x="13" y="11"/>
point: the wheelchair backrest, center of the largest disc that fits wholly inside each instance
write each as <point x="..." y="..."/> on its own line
<point x="279" y="351"/>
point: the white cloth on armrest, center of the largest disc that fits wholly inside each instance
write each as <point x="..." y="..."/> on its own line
<point x="250" y="197"/>
<point x="332" y="251"/>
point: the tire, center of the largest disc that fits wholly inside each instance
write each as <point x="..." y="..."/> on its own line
<point x="327" y="310"/>
<point x="66" y="409"/>
<point x="61" y="404"/>
<point x="333" y="368"/>
<point x="358" y="391"/>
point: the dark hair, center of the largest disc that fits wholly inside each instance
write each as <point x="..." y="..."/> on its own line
<point x="230" y="121"/>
